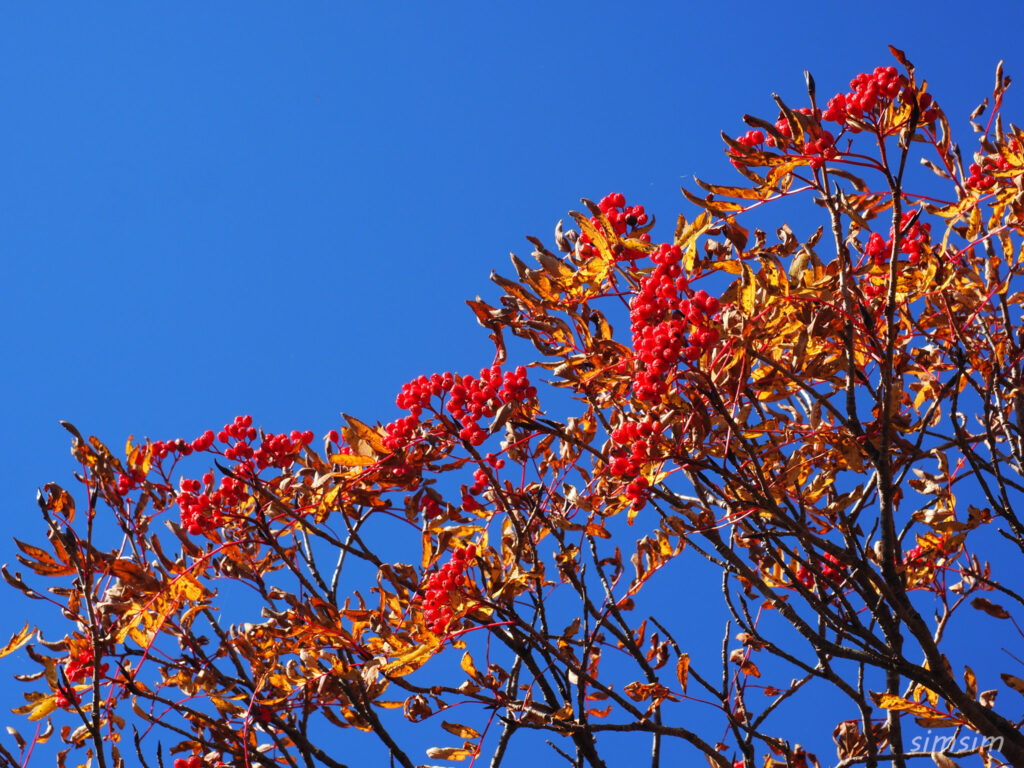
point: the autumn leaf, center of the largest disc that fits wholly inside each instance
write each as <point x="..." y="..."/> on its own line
<point x="683" y="670"/>
<point x="462" y="731"/>
<point x="996" y="611"/>
<point x="17" y="640"/>
<point x="449" y="753"/>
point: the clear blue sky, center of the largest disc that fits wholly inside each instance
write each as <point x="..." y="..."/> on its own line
<point x="280" y="208"/>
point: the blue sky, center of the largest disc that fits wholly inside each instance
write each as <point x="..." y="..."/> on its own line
<point x="280" y="208"/>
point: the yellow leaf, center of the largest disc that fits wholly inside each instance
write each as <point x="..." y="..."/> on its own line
<point x="687" y="234"/>
<point x="462" y="731"/>
<point x="366" y="433"/>
<point x="43" y="707"/>
<point x="18" y="640"/>
<point x="690" y="257"/>
<point x="350" y="460"/>
<point x="975" y="225"/>
<point x="748" y="290"/>
<point x="468" y="667"/>
<point x="596" y="269"/>
<point x="742" y="193"/>
<point x="449" y="753"/>
<point x="408" y="662"/>
<point x="163" y="604"/>
<point x="899" y="704"/>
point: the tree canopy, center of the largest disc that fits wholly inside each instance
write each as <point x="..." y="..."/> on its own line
<point x="819" y="436"/>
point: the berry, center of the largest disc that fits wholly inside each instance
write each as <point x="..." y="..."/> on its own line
<point x="623" y="220"/>
<point x="669" y="322"/>
<point x="437" y="607"/>
<point x="466" y="398"/>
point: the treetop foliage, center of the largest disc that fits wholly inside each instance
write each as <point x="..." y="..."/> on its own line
<point x="821" y="435"/>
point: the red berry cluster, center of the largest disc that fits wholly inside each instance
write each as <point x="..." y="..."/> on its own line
<point x="637" y="440"/>
<point x="437" y="607"/>
<point x="273" y="450"/>
<point x="831" y="571"/>
<point x="205" y="441"/>
<point x="638" y="491"/>
<point x="430" y="507"/>
<point x="819" y="146"/>
<point x="922" y="561"/>
<point x="874" y="91"/>
<point x="203" y="511"/>
<point x="62" y="701"/>
<point x="279" y="450"/>
<point x="750" y="139"/>
<point x="669" y="322"/>
<point x="917" y="561"/>
<point x="916" y="237"/>
<point x="417" y="394"/>
<point x="239" y="436"/>
<point x="81" y="666"/>
<point x="820" y="149"/>
<point x="261" y="713"/>
<point x="195" y="761"/>
<point x="979" y="179"/>
<point x="126" y="482"/>
<point x="869" y="95"/>
<point x="400" y="433"/>
<point x="619" y="215"/>
<point x="240" y="429"/>
<point x="877" y="248"/>
<point x="161" y="449"/>
<point x="480" y="481"/>
<point x="997" y="162"/>
<point x="469" y="399"/>
<point x="623" y="219"/>
<point x="782" y="124"/>
<point x="867" y="92"/>
<point x="638" y="447"/>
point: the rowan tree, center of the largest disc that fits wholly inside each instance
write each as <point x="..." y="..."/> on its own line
<point x="830" y="424"/>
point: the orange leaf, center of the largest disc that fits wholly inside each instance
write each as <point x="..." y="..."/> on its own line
<point x="350" y="460"/>
<point x="462" y="731"/>
<point x="18" y="640"/>
<point x="683" y="670"/>
<point x="366" y="433"/>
